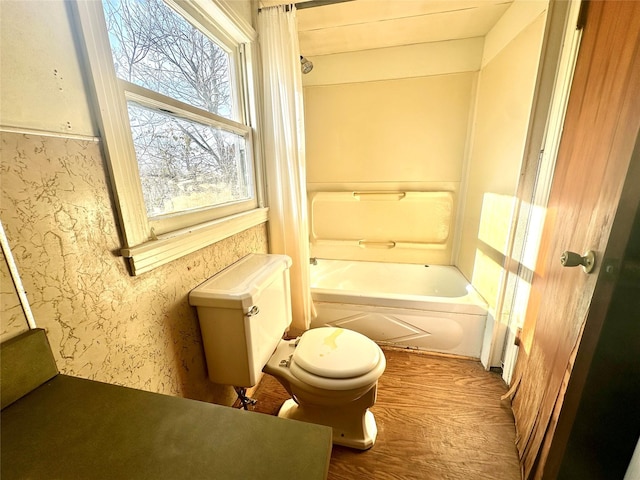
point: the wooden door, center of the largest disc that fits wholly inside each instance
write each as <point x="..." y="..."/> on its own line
<point x="602" y="122"/>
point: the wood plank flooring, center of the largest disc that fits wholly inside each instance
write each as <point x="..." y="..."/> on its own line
<point x="438" y="418"/>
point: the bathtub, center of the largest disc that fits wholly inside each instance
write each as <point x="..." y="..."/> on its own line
<point x="431" y="308"/>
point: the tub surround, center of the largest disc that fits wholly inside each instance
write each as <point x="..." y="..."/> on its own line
<point x="503" y="110"/>
<point x="410" y="118"/>
<point x="372" y="225"/>
<point x="504" y="100"/>
<point x="402" y="137"/>
<point x="392" y="120"/>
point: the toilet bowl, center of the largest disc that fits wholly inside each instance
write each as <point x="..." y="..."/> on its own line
<point x="332" y="376"/>
<point x="331" y="373"/>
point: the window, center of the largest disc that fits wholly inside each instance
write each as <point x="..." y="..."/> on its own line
<point x="175" y="95"/>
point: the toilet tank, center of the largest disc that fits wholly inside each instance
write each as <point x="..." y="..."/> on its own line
<point x="243" y="312"/>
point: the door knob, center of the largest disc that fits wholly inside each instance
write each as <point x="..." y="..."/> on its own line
<point x="572" y="259"/>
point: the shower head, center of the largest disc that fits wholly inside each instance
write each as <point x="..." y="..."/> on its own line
<point x="305" y="65"/>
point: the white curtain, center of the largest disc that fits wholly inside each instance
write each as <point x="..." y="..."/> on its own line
<point x="283" y="134"/>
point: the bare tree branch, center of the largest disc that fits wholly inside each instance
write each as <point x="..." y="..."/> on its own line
<point x="156" y="48"/>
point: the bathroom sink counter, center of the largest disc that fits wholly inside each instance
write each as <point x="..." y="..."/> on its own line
<point x="70" y="427"/>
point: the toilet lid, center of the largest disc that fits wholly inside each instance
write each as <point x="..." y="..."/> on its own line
<point x="336" y="353"/>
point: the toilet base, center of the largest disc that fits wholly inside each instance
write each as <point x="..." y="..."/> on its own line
<point x="350" y="429"/>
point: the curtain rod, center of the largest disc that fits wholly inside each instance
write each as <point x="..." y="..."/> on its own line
<point x="318" y="3"/>
<point x="314" y="4"/>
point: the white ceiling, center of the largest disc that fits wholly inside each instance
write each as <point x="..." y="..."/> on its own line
<point x="369" y="24"/>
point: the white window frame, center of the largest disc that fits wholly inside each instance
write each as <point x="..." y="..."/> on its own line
<point x="180" y="234"/>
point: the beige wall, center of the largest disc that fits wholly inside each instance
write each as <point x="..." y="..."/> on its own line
<point x="242" y="10"/>
<point x="404" y="130"/>
<point x="393" y="119"/>
<point x="40" y="70"/>
<point x="504" y="102"/>
<point x="408" y="61"/>
<point x="58" y="214"/>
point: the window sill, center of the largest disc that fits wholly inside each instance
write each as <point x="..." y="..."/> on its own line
<point x="168" y="247"/>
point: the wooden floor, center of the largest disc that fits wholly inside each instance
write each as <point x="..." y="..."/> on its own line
<point x="438" y="418"/>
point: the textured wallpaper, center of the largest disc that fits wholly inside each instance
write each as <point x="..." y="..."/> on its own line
<point x="102" y="323"/>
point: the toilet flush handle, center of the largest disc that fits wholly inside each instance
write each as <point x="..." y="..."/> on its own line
<point x="254" y="310"/>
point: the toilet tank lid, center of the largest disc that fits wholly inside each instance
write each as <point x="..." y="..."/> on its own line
<point x="241" y="282"/>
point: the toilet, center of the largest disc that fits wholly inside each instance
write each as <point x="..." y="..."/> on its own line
<point x="331" y="373"/>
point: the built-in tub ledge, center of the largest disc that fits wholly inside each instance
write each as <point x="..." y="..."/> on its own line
<point x="347" y="225"/>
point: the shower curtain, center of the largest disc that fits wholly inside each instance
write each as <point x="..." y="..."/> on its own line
<point x="283" y="134"/>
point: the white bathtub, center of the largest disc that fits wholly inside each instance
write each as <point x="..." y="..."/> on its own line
<point x="427" y="307"/>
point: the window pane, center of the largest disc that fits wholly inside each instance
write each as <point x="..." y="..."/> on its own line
<point x="156" y="48"/>
<point x="186" y="165"/>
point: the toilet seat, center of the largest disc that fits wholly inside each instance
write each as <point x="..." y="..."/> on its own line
<point x="336" y="359"/>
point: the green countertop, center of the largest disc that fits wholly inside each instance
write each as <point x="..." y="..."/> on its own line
<point x="72" y="428"/>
